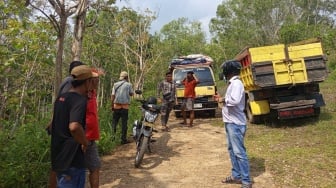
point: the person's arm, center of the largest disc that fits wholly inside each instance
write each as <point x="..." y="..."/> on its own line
<point x="218" y="98"/>
<point x="131" y="92"/>
<point x="195" y="77"/>
<point x="236" y="93"/>
<point x="112" y="102"/>
<point x="184" y="80"/>
<point x="113" y="98"/>
<point x="159" y="90"/>
<point x="78" y="133"/>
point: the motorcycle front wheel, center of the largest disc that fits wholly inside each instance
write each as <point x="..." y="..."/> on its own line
<point x="141" y="149"/>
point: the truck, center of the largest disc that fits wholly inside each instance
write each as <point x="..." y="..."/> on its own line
<point x="282" y="81"/>
<point x="201" y="65"/>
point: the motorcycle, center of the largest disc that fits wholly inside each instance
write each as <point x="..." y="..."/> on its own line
<point x="143" y="128"/>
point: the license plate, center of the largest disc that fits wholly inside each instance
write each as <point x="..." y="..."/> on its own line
<point x="198" y="105"/>
<point x="296" y="113"/>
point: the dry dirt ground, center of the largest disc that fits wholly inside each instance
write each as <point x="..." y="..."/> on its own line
<point x="194" y="157"/>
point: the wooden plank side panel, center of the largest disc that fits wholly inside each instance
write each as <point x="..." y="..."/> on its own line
<point x="306" y="50"/>
<point x="264" y="74"/>
<point x="267" y="53"/>
<point x="316" y="68"/>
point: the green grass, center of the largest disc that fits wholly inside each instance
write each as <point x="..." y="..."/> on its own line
<point x="298" y="153"/>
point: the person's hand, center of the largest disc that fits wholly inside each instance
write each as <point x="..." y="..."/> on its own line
<point x="84" y="147"/>
<point x="218" y="98"/>
<point x="159" y="100"/>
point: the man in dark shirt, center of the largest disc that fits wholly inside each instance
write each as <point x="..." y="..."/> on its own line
<point x="68" y="141"/>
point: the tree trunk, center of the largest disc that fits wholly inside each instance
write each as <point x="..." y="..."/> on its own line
<point x="79" y="29"/>
<point x="59" y="55"/>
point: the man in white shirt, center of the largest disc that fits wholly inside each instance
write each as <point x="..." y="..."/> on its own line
<point x="235" y="124"/>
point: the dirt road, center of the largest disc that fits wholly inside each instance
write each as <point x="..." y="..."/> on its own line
<point x="184" y="157"/>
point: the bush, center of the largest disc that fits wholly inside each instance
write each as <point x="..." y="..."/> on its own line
<point x="25" y="158"/>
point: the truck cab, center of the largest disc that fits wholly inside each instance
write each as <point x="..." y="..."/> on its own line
<point x="205" y="89"/>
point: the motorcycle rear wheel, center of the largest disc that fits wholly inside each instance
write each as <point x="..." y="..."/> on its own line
<point x="141" y="150"/>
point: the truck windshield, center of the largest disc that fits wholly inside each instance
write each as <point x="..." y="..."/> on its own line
<point x="202" y="73"/>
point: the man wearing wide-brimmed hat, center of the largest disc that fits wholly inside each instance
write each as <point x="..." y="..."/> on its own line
<point x="68" y="141"/>
<point x="121" y="98"/>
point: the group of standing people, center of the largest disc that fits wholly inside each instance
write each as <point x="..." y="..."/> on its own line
<point x="167" y="89"/>
<point x="232" y="112"/>
<point x="74" y="127"/>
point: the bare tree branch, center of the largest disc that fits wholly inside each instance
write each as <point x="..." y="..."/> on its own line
<point x="51" y="18"/>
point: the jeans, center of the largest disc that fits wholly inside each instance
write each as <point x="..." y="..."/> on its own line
<point x="123" y="114"/>
<point x="235" y="140"/>
<point x="71" y="178"/>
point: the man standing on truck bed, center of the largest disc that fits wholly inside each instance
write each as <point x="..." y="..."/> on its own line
<point x="189" y="82"/>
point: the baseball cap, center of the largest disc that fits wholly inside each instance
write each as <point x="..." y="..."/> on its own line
<point x="123" y="75"/>
<point x="82" y="72"/>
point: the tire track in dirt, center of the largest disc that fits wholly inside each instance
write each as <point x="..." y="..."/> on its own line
<point x="184" y="157"/>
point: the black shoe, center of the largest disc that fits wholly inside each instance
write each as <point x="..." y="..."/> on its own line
<point x="125" y="142"/>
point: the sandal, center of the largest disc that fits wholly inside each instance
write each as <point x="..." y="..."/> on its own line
<point x="231" y="180"/>
<point x="165" y="129"/>
<point x="246" y="185"/>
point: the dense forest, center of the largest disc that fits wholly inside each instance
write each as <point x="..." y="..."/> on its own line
<point x="39" y="38"/>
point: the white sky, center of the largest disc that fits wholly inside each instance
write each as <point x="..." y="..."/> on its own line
<point x="168" y="10"/>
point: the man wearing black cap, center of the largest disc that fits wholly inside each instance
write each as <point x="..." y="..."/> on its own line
<point x="68" y="141"/>
<point x="64" y="87"/>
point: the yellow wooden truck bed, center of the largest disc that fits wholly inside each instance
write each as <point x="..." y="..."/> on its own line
<point x="278" y="65"/>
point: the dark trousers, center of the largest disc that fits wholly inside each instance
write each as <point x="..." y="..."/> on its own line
<point x="166" y="108"/>
<point x="123" y="114"/>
